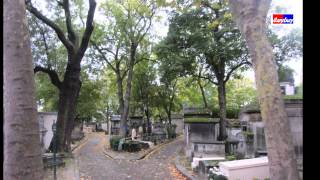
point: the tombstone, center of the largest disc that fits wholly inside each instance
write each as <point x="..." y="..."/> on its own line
<point x="133" y="134"/>
<point x="115" y="124"/>
<point x="201" y="132"/>
<point x="46" y="120"/>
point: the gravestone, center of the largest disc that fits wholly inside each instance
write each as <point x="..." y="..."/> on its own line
<point x="201" y="131"/>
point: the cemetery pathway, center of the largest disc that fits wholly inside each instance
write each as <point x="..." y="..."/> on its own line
<point x="94" y="165"/>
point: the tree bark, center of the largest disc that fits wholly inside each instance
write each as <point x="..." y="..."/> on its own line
<point x="67" y="108"/>
<point x="125" y="114"/>
<point x="148" y="119"/>
<point x="222" y="110"/>
<point x="70" y="87"/>
<point x="250" y="16"/>
<point x="120" y="91"/>
<point x="22" y="149"/>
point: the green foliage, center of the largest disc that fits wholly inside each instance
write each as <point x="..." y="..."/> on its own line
<point x="91" y="98"/>
<point x="131" y="146"/>
<point x="240" y="92"/>
<point x="231" y="158"/>
<point x="201" y="120"/>
<point x="171" y="129"/>
<point x="249" y="136"/>
<point x="46" y="93"/>
<point x="114" y="142"/>
<point x="296" y="96"/>
<point x="286" y="74"/>
<point x="286" y="47"/>
<point x="219" y="177"/>
<point x="299" y="89"/>
<point x="232" y="113"/>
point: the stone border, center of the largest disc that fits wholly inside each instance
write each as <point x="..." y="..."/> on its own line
<point x="182" y="169"/>
<point x="144" y="155"/>
<point x="81" y="142"/>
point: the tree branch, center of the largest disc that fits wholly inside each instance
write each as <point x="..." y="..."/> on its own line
<point x="51" y="24"/>
<point x="235" y="68"/>
<point x="88" y="30"/>
<point x="204" y="77"/>
<point x="102" y="55"/>
<point x="52" y="74"/>
<point x="149" y="26"/>
<point x="71" y="34"/>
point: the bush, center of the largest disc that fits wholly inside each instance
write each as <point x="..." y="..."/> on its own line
<point x="114" y="142"/>
<point x="231" y="158"/>
<point x="131" y="146"/>
<point x="219" y="177"/>
<point x="171" y="129"/>
<point x="249" y="136"/>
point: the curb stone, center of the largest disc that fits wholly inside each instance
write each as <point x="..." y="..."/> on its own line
<point x="85" y="139"/>
<point x="141" y="157"/>
<point x="182" y="169"/>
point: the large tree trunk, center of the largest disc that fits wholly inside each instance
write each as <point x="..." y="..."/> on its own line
<point x="250" y="16"/>
<point x="120" y="92"/>
<point x="148" y="119"/>
<point x="22" y="149"/>
<point x="125" y="114"/>
<point x="222" y="110"/>
<point x="67" y="108"/>
<point x="70" y="86"/>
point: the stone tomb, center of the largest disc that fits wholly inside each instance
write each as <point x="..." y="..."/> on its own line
<point x="46" y="120"/>
<point x="115" y="124"/>
<point x="251" y="121"/>
<point x="245" y="169"/>
<point x="201" y="132"/>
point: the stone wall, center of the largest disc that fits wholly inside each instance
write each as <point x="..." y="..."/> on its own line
<point x="179" y="123"/>
<point x="46" y="120"/>
<point x="253" y="122"/>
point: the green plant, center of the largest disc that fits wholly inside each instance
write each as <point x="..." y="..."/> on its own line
<point x="171" y="129"/>
<point x="131" y="146"/>
<point x="248" y="135"/>
<point x="231" y="157"/>
<point x="114" y="142"/>
<point x="219" y="177"/>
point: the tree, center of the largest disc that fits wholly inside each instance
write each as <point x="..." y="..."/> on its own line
<point x="250" y="16"/>
<point x="207" y="36"/>
<point x="240" y="93"/>
<point x="133" y="20"/>
<point x="22" y="150"/>
<point x="144" y="89"/>
<point x="69" y="88"/>
<point x="109" y="47"/>
<point x="285" y="74"/>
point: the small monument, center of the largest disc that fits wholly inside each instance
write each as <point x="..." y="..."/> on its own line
<point x="201" y="132"/>
<point x="115" y="124"/>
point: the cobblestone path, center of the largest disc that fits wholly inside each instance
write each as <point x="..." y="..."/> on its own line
<point x="94" y="165"/>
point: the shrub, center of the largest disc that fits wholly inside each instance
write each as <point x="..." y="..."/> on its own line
<point x="114" y="142"/>
<point x="219" y="177"/>
<point x="231" y="157"/>
<point x="171" y="129"/>
<point x="249" y="136"/>
<point x="131" y="146"/>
